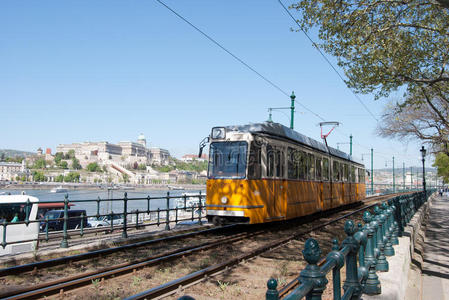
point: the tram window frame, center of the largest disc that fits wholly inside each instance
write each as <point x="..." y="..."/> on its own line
<point x="311" y="166"/>
<point x="302" y="165"/>
<point x="336" y="170"/>
<point x="345" y="172"/>
<point x="222" y="155"/>
<point x="270" y="160"/>
<point x="279" y="163"/>
<point x="353" y="178"/>
<point x="318" y="168"/>
<point x="255" y="161"/>
<point x="325" y="169"/>
<point x="292" y="166"/>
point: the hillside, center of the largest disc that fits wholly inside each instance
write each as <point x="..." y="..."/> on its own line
<point x="14" y="153"/>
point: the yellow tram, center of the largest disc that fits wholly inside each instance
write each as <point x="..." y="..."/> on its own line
<point x="268" y="172"/>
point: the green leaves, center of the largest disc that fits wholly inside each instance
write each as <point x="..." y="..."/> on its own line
<point x="442" y="163"/>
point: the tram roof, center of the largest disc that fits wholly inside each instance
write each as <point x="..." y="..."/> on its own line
<point x="280" y="130"/>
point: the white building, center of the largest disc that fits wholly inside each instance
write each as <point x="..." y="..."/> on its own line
<point x="9" y="170"/>
<point x="123" y="153"/>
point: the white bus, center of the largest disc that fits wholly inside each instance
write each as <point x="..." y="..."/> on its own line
<point x="13" y="209"/>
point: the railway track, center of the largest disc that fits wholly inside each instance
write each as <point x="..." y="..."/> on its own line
<point x="63" y="284"/>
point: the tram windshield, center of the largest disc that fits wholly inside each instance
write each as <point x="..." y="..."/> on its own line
<point x="227" y="159"/>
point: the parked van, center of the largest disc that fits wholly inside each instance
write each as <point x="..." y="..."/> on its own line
<point x="56" y="220"/>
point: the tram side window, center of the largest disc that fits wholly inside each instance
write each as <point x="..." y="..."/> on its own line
<point x="254" y="163"/>
<point x="318" y="169"/>
<point x="270" y="161"/>
<point x="325" y="169"/>
<point x="279" y="163"/>
<point x="302" y="164"/>
<point x="292" y="166"/>
<point x="344" y="175"/>
<point x="10" y="210"/>
<point x="361" y="176"/>
<point x="336" y="171"/>
<point x="353" y="179"/>
<point x="311" y="161"/>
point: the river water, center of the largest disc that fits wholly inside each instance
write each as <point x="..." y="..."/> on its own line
<point x="116" y="205"/>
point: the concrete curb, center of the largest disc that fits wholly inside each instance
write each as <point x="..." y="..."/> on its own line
<point x="395" y="282"/>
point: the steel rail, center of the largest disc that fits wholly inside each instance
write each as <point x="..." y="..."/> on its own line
<point x="172" y="286"/>
<point x="67" y="259"/>
<point x="53" y="287"/>
<point x="81" y="279"/>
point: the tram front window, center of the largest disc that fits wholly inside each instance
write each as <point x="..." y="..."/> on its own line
<point x="227" y="160"/>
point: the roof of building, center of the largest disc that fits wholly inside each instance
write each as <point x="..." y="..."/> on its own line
<point x="280" y="130"/>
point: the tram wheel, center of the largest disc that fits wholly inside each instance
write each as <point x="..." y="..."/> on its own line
<point x="217" y="221"/>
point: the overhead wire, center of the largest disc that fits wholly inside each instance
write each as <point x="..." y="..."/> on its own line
<point x="237" y="58"/>
<point x="328" y="61"/>
<point x="264" y="77"/>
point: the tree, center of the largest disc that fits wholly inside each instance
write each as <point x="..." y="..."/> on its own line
<point x="142" y="167"/>
<point x="407" y="122"/>
<point x="2" y="157"/>
<point x="76" y="164"/>
<point x="58" y="157"/>
<point x="71" y="153"/>
<point x="72" y="177"/>
<point x="63" y="164"/>
<point x="442" y="163"/>
<point x="93" y="167"/>
<point x="59" y="178"/>
<point x="386" y="46"/>
<point x="39" y="176"/>
<point x="125" y="178"/>
<point x="39" y="164"/>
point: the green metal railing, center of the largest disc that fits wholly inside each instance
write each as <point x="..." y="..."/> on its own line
<point x="363" y="251"/>
<point x="170" y="214"/>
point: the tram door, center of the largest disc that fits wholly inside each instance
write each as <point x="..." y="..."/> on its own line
<point x="275" y="171"/>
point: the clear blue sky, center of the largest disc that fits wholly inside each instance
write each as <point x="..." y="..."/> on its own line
<point x="73" y="71"/>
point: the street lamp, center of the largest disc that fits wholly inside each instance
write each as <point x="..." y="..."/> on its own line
<point x="423" y="154"/>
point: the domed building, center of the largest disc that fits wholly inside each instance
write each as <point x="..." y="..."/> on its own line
<point x="141" y="140"/>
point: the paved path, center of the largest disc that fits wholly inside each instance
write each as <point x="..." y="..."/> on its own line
<point x="435" y="268"/>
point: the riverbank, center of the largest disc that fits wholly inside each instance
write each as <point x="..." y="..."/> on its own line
<point x="85" y="186"/>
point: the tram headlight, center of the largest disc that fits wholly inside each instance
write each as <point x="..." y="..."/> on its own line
<point x="218" y="133"/>
<point x="224" y="199"/>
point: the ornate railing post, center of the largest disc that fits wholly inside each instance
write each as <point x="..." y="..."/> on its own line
<point x="112" y="221"/>
<point x="394" y="224"/>
<point x="82" y="224"/>
<point x="340" y="262"/>
<point x="352" y="278"/>
<point x="46" y="228"/>
<point x="199" y="209"/>
<point x="64" y="243"/>
<point x="382" y="264"/>
<point x="272" y="292"/>
<point x="98" y="207"/>
<point x="389" y="250"/>
<point x="372" y="285"/>
<point x="4" y="234"/>
<point x="312" y="273"/>
<point x="361" y="236"/>
<point x="167" y="213"/>
<point x="125" y="216"/>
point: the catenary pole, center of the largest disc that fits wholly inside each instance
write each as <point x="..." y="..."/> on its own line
<point x="394" y="186"/>
<point x="350" y="144"/>
<point x="372" y="175"/>
<point x="292" y="110"/>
